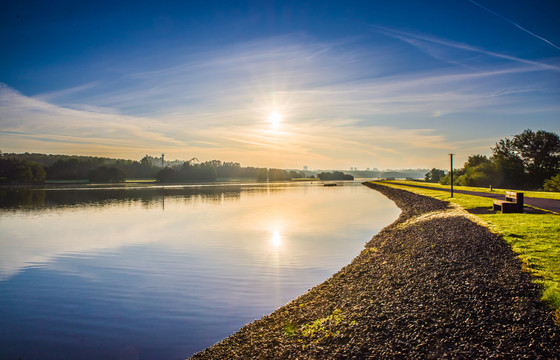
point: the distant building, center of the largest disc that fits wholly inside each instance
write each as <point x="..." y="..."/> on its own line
<point x="305" y="167"/>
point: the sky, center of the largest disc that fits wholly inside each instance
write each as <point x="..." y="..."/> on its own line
<point x="287" y="84"/>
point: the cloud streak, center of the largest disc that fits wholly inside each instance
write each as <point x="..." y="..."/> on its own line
<point x="342" y="105"/>
<point x="53" y="128"/>
<point x="419" y="41"/>
<point x="515" y="24"/>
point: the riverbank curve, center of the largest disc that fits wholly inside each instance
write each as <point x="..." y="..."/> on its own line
<point x="433" y="284"/>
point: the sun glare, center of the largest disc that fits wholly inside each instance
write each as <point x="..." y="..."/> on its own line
<point x="276" y="239"/>
<point x="275" y="118"/>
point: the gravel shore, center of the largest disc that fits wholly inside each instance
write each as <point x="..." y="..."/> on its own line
<point x="431" y="285"/>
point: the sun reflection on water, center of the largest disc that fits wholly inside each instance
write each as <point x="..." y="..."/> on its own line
<point x="276" y="239"/>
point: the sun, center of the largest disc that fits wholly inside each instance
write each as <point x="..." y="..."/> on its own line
<point x="274" y="118"/>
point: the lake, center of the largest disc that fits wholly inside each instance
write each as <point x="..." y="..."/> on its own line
<point x="161" y="272"/>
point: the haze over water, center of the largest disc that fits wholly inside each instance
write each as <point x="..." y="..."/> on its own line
<point x="163" y="272"/>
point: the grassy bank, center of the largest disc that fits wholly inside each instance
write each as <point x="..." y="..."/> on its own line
<point x="534" y="194"/>
<point x="534" y="237"/>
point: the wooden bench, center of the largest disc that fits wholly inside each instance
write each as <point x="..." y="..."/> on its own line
<point x="512" y="204"/>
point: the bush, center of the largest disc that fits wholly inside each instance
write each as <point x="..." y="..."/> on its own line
<point x="553" y="184"/>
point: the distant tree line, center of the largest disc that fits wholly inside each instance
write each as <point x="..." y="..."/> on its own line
<point x="21" y="171"/>
<point x="281" y="175"/>
<point x="27" y="167"/>
<point x="104" y="174"/>
<point x="335" y="175"/>
<point x="397" y="173"/>
<point x="188" y="172"/>
<point x="530" y="160"/>
<point x="215" y="170"/>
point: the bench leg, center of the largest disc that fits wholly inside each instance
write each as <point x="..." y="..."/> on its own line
<point x="511" y="208"/>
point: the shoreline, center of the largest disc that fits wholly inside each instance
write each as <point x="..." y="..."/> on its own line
<point x="433" y="284"/>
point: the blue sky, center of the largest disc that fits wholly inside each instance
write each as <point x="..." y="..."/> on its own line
<point x="386" y="84"/>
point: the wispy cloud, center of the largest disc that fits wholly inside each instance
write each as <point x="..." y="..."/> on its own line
<point x="515" y="24"/>
<point x="342" y="105"/>
<point x="53" y="95"/>
<point x="28" y="121"/>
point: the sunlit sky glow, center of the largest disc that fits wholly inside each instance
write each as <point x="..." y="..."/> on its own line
<point x="386" y="84"/>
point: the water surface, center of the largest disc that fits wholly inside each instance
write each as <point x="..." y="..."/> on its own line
<point x="154" y="272"/>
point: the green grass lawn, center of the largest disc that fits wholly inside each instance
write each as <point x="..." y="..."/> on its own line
<point x="534" y="237"/>
<point x="535" y="194"/>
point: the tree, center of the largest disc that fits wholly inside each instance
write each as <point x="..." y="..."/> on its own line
<point x="206" y="171"/>
<point x="262" y="174"/>
<point x="295" y="174"/>
<point x="477" y="171"/>
<point x="457" y="173"/>
<point x="146" y="161"/>
<point x="335" y="175"/>
<point x="275" y="175"/>
<point x="510" y="169"/>
<point x="38" y="172"/>
<point x="529" y="158"/>
<point x="166" y="174"/>
<point x="434" y="175"/>
<point x="21" y="171"/>
<point x="73" y="168"/>
<point x="540" y="152"/>
<point x="104" y="174"/>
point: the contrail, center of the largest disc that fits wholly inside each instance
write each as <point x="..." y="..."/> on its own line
<point x="515" y="24"/>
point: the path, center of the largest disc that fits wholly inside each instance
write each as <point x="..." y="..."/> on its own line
<point x="546" y="204"/>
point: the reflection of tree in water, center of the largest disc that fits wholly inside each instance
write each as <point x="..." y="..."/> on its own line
<point x="30" y="199"/>
<point x="22" y="198"/>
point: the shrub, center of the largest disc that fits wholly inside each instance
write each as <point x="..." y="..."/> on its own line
<point x="553" y="184"/>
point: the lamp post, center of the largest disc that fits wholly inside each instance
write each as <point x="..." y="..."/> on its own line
<point x="451" y="172"/>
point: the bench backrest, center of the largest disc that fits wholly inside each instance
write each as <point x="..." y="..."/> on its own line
<point x="516" y="197"/>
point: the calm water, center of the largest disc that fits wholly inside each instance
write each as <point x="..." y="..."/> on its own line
<point x="161" y="273"/>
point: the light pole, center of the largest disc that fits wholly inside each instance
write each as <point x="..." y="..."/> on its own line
<point x="451" y="172"/>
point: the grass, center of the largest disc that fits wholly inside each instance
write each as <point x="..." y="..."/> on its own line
<point x="527" y="193"/>
<point x="534" y="237"/>
<point x="140" y="180"/>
